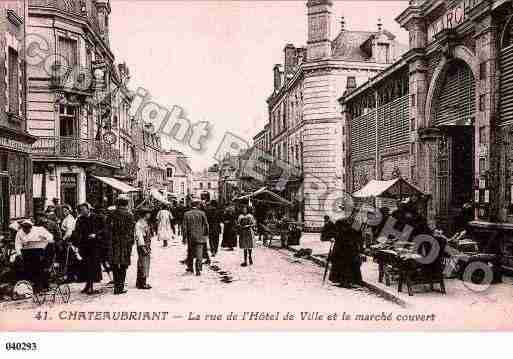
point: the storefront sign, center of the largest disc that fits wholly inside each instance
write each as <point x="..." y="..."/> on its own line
<point x="11" y="144"/>
<point x="452" y="17"/>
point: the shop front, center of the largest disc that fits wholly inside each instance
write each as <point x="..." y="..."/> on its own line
<point x="15" y="176"/>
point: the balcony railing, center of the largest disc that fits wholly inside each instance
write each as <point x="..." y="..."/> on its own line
<point x="76" y="148"/>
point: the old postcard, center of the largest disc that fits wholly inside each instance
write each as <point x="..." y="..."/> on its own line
<point x="256" y="165"/>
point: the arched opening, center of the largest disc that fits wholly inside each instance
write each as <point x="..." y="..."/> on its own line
<point x="453" y="111"/>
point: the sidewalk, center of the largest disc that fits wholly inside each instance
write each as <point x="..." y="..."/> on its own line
<point x="457" y="291"/>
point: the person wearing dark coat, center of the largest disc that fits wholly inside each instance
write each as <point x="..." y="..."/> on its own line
<point x="88" y="236"/>
<point x="214" y="224"/>
<point x="106" y="242"/>
<point x="121" y="223"/>
<point x="329" y="230"/>
<point x="345" y="257"/>
<point x="229" y="231"/>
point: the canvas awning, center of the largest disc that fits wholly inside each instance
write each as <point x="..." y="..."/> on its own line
<point x="396" y="188"/>
<point x="117" y="184"/>
<point x="266" y="196"/>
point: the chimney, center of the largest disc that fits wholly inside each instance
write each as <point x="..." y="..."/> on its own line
<point x="290" y="59"/>
<point x="342" y="23"/>
<point x="319" y="29"/>
<point x="277" y="77"/>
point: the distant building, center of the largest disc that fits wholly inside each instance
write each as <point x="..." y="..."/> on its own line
<point x="205" y="185"/>
<point x="179" y="181"/>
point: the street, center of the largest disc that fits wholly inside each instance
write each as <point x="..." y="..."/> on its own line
<point x="276" y="282"/>
<point x="260" y="295"/>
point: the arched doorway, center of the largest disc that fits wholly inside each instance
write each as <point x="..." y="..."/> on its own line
<point x="452" y="112"/>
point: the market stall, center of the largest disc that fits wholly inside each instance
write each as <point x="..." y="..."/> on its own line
<point x="396" y="257"/>
<point x="272" y="215"/>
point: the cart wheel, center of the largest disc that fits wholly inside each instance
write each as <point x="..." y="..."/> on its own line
<point x="64" y="292"/>
<point x="22" y="290"/>
<point x="39" y="298"/>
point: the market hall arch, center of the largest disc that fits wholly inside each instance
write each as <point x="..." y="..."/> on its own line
<point x="451" y="109"/>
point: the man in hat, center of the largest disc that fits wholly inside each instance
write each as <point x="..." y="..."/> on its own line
<point x="121" y="224"/>
<point x="32" y="243"/>
<point x="52" y="227"/>
<point x="143" y="234"/>
<point x="195" y="231"/>
<point x="59" y="213"/>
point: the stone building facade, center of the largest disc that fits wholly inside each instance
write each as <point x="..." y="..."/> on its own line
<point x="459" y="107"/>
<point x="15" y="142"/>
<point x="305" y="121"/>
<point x="70" y="74"/>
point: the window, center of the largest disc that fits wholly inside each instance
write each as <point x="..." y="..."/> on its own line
<point x="201" y="185"/>
<point x="412" y="124"/>
<point x="68" y="52"/>
<point x="209" y="186"/>
<point x="482" y="102"/>
<point x="14" y="82"/>
<point x="18" y="176"/>
<point x="171" y="187"/>
<point x="482" y="70"/>
<point x="169" y="172"/>
<point x="413" y="100"/>
<point x="351" y="82"/>
<point x="67" y="121"/>
<point x="182" y="188"/>
<point x="482" y="135"/>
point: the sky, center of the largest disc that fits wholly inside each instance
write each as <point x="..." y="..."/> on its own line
<point x="215" y="58"/>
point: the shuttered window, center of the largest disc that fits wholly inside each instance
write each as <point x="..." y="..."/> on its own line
<point x="506" y="85"/>
<point x="456" y="95"/>
<point x="393" y="123"/>
<point x="363" y="137"/>
<point x="14" y="82"/>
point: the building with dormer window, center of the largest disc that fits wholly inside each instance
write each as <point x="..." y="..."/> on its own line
<point x="305" y="123"/>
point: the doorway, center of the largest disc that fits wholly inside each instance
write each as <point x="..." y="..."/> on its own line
<point x="69" y="189"/>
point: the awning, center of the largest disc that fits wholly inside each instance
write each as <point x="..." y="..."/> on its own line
<point x="395" y="188"/>
<point x="264" y="195"/>
<point x="158" y="196"/>
<point x="117" y="184"/>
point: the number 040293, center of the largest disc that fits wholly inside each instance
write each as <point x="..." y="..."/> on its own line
<point x="20" y="346"/>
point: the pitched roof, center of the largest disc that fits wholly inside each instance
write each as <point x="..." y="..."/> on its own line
<point x="348" y="44"/>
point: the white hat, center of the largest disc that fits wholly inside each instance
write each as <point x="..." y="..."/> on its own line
<point x="15" y="226"/>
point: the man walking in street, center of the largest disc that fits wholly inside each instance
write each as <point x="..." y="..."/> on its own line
<point x="143" y="235"/>
<point x="121" y="224"/>
<point x="214" y="224"/>
<point x="195" y="231"/>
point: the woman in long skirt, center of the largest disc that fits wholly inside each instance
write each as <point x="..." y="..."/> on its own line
<point x="229" y="233"/>
<point x="165" y="230"/>
<point x="246" y="223"/>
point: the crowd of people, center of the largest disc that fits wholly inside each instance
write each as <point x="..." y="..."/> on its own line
<point x="100" y="241"/>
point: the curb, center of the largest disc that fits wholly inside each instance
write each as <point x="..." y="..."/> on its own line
<point x="373" y="288"/>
